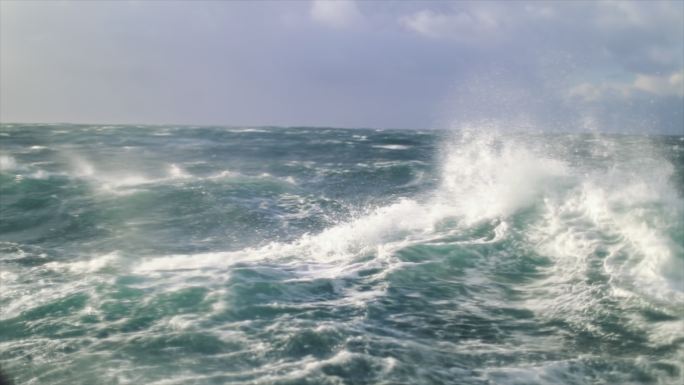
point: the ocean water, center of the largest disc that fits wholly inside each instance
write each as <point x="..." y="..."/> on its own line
<point x="214" y="255"/>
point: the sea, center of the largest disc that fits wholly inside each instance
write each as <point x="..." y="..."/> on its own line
<point x="291" y="255"/>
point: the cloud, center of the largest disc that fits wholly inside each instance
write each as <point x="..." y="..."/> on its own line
<point x="662" y="86"/>
<point x="607" y="54"/>
<point x="464" y="25"/>
<point x="336" y="14"/>
<point x="644" y="37"/>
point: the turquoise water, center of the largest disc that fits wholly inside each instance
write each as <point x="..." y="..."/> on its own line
<point x="213" y="255"/>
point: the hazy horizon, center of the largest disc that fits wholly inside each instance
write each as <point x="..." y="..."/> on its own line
<point x="455" y="128"/>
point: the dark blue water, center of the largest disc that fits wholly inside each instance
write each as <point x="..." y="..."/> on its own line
<point x="213" y="255"/>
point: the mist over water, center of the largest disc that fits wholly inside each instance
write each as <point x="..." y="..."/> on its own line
<point x="211" y="255"/>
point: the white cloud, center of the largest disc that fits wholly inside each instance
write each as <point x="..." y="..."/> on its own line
<point x="663" y="86"/>
<point x="660" y="85"/>
<point x="463" y="25"/>
<point x="335" y="13"/>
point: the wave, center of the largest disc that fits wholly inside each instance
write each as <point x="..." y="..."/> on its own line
<point x="624" y="214"/>
<point x="610" y="208"/>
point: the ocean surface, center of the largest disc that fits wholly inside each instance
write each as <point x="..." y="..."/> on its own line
<point x="213" y="255"/>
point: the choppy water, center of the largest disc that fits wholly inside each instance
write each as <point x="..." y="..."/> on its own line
<point x="209" y="255"/>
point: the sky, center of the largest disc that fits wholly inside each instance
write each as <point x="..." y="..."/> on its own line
<point x="560" y="65"/>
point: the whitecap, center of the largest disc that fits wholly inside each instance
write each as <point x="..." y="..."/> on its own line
<point x="7" y="163"/>
<point x="90" y="265"/>
<point x="392" y="146"/>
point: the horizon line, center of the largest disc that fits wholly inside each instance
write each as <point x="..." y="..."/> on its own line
<point x="187" y="125"/>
